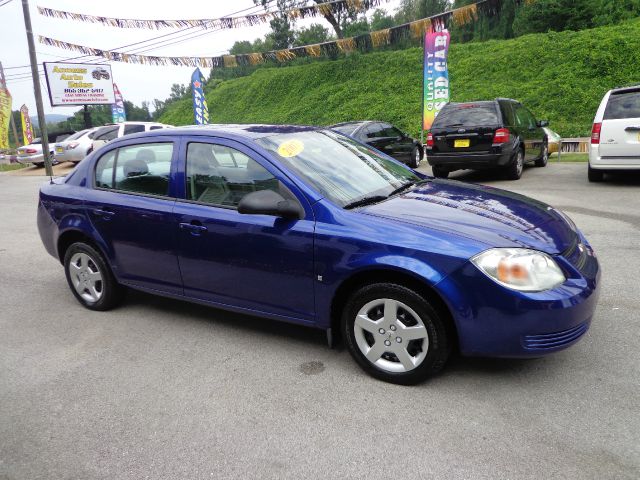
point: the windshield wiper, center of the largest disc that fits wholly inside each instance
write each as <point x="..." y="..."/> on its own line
<point x="402" y="188"/>
<point x="454" y="125"/>
<point x="365" y="201"/>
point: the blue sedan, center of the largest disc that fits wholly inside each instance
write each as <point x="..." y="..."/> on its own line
<point x="308" y="226"/>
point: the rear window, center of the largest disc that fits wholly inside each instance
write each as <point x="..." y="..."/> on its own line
<point x="623" y="105"/>
<point x="467" y="115"/>
<point x="346" y="129"/>
<point x="77" y="135"/>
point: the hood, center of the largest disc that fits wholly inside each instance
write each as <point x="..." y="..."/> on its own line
<point x="492" y="216"/>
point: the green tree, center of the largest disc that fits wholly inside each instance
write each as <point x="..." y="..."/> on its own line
<point x="410" y="10"/>
<point x="314" y="33"/>
<point x="381" y="20"/>
<point x="242" y="47"/>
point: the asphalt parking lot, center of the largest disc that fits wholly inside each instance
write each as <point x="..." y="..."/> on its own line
<point x="164" y="389"/>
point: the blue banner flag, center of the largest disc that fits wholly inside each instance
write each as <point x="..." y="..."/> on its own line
<point x="200" y="109"/>
<point x="118" y="114"/>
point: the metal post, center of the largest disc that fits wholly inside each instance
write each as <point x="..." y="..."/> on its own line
<point x="36" y="88"/>
<point x="87" y="117"/>
<point x="559" y="149"/>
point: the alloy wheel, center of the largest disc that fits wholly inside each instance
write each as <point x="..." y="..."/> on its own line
<point x="391" y="335"/>
<point x="86" y="277"/>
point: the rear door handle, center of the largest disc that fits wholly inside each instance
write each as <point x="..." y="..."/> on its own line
<point x="194" y="228"/>
<point x="632" y="129"/>
<point x="105" y="214"/>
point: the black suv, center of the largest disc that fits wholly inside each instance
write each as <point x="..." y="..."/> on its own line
<point x="386" y="138"/>
<point x="499" y="133"/>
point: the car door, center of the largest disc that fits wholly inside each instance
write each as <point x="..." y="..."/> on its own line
<point x="531" y="134"/>
<point x="255" y="262"/>
<point x="401" y="145"/>
<point x="131" y="208"/>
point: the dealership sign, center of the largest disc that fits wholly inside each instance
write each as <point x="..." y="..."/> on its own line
<point x="79" y="83"/>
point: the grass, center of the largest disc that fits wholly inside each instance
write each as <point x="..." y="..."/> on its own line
<point x="569" y="157"/>
<point x="6" y="167"/>
<point x="561" y="77"/>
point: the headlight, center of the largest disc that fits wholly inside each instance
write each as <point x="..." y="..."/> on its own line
<point x="520" y="268"/>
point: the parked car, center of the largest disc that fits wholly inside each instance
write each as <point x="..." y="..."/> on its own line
<point x="117" y="130"/>
<point x="75" y="147"/>
<point x="615" y="136"/>
<point x="499" y="133"/>
<point x="386" y="138"/>
<point x="309" y="226"/>
<point x="32" y="153"/>
<point x="553" y="140"/>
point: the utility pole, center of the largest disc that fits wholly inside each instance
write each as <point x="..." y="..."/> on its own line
<point x="36" y="88"/>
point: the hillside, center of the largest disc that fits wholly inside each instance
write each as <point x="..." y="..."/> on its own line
<point x="560" y="76"/>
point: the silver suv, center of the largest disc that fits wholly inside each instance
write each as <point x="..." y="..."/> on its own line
<point x="615" y="137"/>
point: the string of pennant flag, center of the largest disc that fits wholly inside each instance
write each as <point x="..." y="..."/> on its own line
<point x="363" y="43"/>
<point x="334" y="7"/>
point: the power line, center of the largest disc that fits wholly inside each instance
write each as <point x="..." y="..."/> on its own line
<point x="2" y="4"/>
<point x="152" y="39"/>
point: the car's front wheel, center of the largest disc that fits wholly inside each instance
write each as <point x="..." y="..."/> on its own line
<point x="395" y="334"/>
<point x="544" y="158"/>
<point x="416" y="157"/>
<point x="90" y="279"/>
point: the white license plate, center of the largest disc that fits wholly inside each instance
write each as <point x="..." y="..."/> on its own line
<point x="59" y="150"/>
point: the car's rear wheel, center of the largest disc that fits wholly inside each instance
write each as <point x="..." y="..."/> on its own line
<point x="416" y="157"/>
<point x="90" y="279"/>
<point x="544" y="158"/>
<point x="595" y="175"/>
<point x="440" y="172"/>
<point x="395" y="334"/>
<point x="515" y="168"/>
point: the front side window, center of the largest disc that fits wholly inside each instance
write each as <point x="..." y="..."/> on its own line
<point x="143" y="169"/>
<point x="337" y="167"/>
<point x="222" y="176"/>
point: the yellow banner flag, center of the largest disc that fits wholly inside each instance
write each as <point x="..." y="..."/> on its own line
<point x="27" y="128"/>
<point x="5" y="114"/>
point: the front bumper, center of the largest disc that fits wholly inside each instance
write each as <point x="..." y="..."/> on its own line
<point x="498" y="157"/>
<point x="494" y="321"/>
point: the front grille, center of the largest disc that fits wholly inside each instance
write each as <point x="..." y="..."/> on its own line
<point x="549" y="341"/>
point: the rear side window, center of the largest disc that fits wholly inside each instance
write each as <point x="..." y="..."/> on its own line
<point x="467" y="115"/>
<point x="155" y="127"/>
<point x="507" y="113"/>
<point x="133" y="129"/>
<point x="623" y="105"/>
<point x="141" y="169"/>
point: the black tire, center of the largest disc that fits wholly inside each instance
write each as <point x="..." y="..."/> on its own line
<point x="38" y="165"/>
<point x="111" y="293"/>
<point x="439" y="172"/>
<point x="438" y="340"/>
<point x="515" y="168"/>
<point x="595" y="175"/>
<point x="416" y="157"/>
<point x="544" y="158"/>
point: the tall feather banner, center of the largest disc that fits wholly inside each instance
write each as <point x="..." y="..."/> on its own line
<point x="363" y="43"/>
<point x="200" y="108"/>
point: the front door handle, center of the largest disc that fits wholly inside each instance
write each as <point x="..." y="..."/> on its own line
<point x="195" y="228"/>
<point x="105" y="214"/>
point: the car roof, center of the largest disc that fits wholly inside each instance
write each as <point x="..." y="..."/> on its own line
<point x="251" y="131"/>
<point x="355" y="122"/>
<point x="624" y="89"/>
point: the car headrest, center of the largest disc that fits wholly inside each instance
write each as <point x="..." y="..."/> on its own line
<point x="135" y="167"/>
<point x="146" y="155"/>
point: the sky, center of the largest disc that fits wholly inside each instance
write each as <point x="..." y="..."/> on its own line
<point x="137" y="83"/>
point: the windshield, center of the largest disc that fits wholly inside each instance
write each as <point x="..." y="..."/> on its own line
<point x="339" y="168"/>
<point x="467" y="115"/>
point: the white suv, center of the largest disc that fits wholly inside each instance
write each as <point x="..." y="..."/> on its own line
<point x="116" y="130"/>
<point x="615" y="137"/>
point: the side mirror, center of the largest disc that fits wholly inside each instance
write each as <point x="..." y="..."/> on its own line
<point x="268" y="202"/>
<point x="543" y="123"/>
